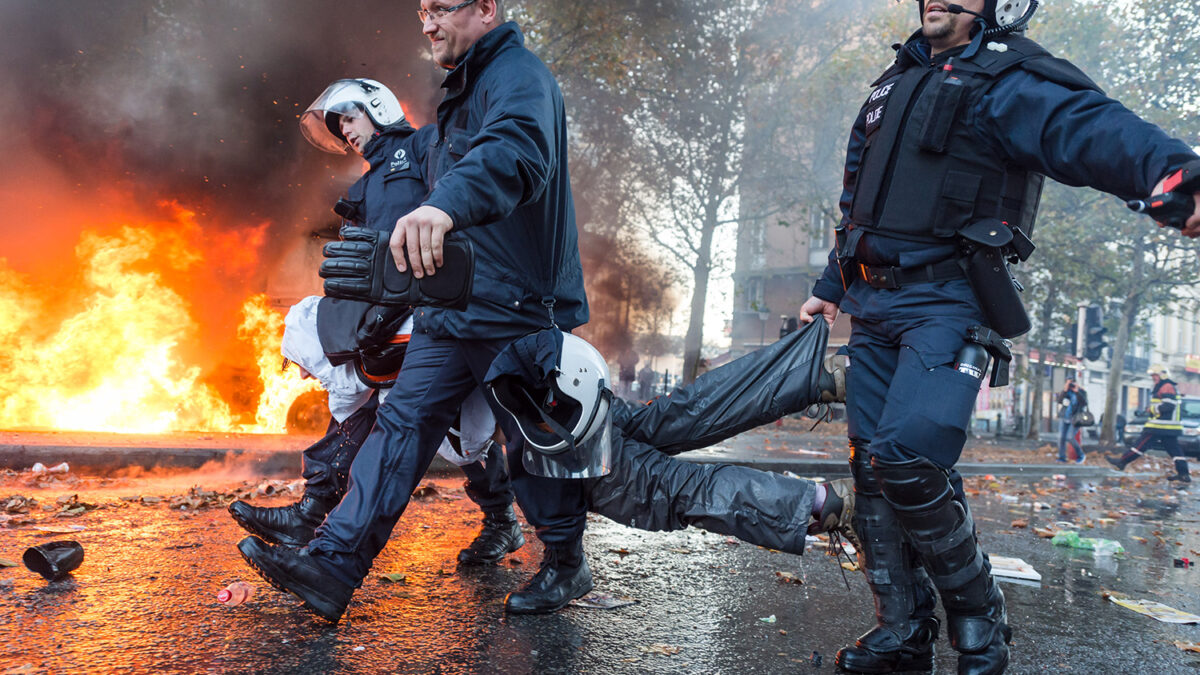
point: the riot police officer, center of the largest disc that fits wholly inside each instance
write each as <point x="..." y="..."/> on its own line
<point x="499" y="179"/>
<point x="362" y="116"/>
<point x="1163" y="429"/>
<point x="943" y="174"/>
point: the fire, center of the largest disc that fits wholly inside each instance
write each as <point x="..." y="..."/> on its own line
<point x="118" y="347"/>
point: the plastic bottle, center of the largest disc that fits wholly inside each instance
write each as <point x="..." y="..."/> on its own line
<point x="1096" y="545"/>
<point x="235" y="594"/>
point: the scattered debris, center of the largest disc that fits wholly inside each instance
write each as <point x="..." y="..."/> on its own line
<point x="1096" y="545"/>
<point x="394" y="578"/>
<point x="767" y="619"/>
<point x="1184" y="562"/>
<point x="1020" y="523"/>
<point x="17" y="504"/>
<point x="660" y="649"/>
<point x="1193" y="647"/>
<point x="4" y="562"/>
<point x="54" y="560"/>
<point x="426" y="491"/>
<point x="38" y="468"/>
<point x="620" y="551"/>
<point x="603" y="601"/>
<point x="789" y="578"/>
<point x="850" y="566"/>
<point x="59" y="529"/>
<point x="815" y="659"/>
<point x="1154" y="610"/>
<point x="235" y="594"/>
<point x="1013" y="568"/>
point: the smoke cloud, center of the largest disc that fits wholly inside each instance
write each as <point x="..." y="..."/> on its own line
<point x="116" y="107"/>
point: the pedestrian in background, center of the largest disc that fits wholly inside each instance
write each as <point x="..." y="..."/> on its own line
<point x="1071" y="401"/>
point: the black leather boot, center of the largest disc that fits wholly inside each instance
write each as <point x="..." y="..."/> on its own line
<point x="564" y="576"/>
<point x="940" y="529"/>
<point x="501" y="535"/>
<point x="903" y="639"/>
<point x="293" y="571"/>
<point x="1119" y="463"/>
<point x="292" y="525"/>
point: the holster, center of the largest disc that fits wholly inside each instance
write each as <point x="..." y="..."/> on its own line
<point x="987" y="246"/>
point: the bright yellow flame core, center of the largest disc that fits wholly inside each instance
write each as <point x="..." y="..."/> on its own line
<point x="114" y="363"/>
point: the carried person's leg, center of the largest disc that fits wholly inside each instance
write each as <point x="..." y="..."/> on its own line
<point x="489" y="486"/>
<point x="326" y="471"/>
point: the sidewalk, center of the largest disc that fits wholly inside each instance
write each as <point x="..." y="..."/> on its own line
<point x="790" y="447"/>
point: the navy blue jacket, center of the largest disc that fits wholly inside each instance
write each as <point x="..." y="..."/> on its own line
<point x="395" y="182"/>
<point x="499" y="169"/>
<point x="1075" y="137"/>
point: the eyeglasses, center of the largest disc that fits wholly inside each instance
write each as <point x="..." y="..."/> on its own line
<point x="437" y="13"/>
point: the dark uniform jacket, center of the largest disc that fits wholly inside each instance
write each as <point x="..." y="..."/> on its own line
<point x="1042" y="116"/>
<point x="394" y="184"/>
<point x="499" y="169"/>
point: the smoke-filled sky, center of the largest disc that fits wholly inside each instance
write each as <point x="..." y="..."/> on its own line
<point x="117" y="106"/>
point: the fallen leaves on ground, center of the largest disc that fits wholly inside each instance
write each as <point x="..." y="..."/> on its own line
<point x="394" y="578"/>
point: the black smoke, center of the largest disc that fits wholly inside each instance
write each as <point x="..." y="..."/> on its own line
<point x="188" y="100"/>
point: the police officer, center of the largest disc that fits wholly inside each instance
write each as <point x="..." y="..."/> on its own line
<point x="1163" y="429"/>
<point x="364" y="117"/>
<point x="498" y="177"/>
<point x="942" y="178"/>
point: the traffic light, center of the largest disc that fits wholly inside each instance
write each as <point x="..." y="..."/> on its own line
<point x="1093" y="333"/>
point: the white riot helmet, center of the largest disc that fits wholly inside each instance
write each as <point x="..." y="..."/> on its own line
<point x="567" y="427"/>
<point x="354" y="98"/>
<point x="1001" y="16"/>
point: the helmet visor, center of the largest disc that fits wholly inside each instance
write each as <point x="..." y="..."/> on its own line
<point x="320" y="123"/>
<point x="589" y="459"/>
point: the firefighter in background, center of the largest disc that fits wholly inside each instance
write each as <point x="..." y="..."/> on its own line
<point x="355" y="348"/>
<point x="1164" y="428"/>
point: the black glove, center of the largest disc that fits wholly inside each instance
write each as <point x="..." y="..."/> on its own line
<point x="361" y="267"/>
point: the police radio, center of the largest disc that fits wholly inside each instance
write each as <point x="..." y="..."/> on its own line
<point x="1175" y="205"/>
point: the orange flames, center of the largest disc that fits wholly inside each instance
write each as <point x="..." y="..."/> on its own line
<point x="117" y="346"/>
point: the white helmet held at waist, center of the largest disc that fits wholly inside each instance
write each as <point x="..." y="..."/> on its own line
<point x="352" y="97"/>
<point x="567" y="427"/>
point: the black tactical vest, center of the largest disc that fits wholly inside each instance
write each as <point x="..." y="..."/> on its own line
<point x="922" y="176"/>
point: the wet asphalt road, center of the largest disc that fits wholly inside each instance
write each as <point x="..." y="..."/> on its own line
<point x="144" y="599"/>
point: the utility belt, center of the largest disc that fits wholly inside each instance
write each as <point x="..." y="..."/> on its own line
<point x="986" y="247"/>
<point x="898" y="277"/>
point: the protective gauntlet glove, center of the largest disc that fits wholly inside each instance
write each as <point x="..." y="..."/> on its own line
<point x="361" y="267"/>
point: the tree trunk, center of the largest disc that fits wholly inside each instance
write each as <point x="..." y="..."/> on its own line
<point x="1129" y="312"/>
<point x="695" y="332"/>
<point x="1043" y="337"/>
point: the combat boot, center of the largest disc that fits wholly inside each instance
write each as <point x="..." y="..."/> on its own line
<point x="940" y="529"/>
<point x="501" y="535"/>
<point x="294" y="571"/>
<point x="903" y="638"/>
<point x="292" y="525"/>
<point x="1119" y="463"/>
<point x="564" y="576"/>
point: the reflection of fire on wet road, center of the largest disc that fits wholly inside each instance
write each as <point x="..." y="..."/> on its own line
<point x="119" y="346"/>
<point x="145" y="597"/>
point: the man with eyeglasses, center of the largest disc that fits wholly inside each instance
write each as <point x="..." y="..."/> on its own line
<point x="498" y="178"/>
